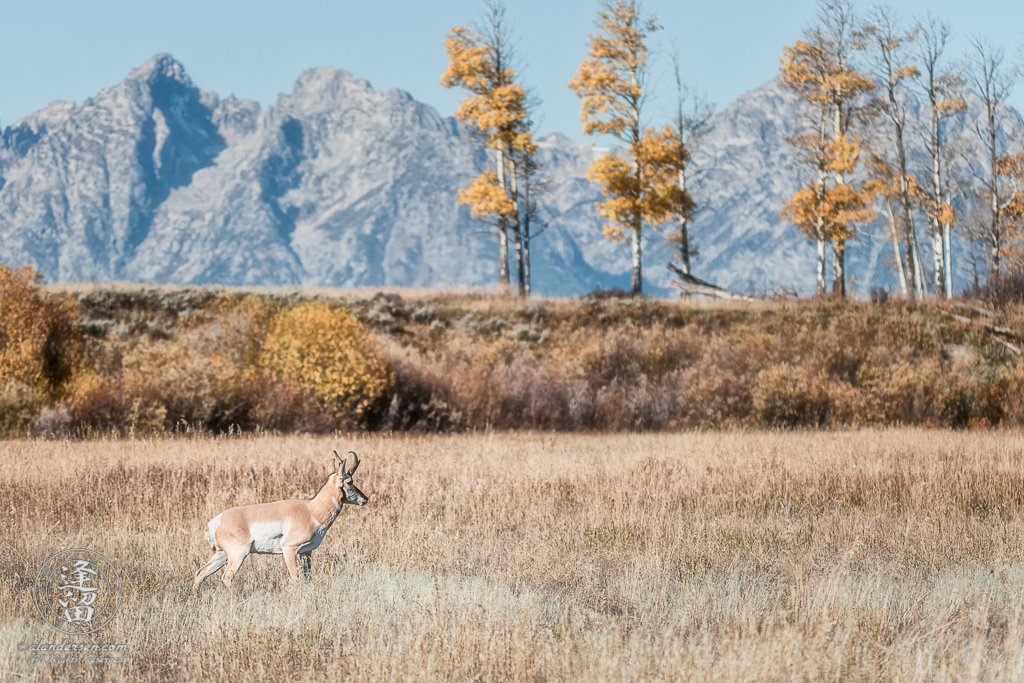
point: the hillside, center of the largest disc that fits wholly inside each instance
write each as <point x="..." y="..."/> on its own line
<point x="154" y="360"/>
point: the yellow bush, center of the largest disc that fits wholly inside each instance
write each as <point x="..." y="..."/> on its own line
<point x="327" y="352"/>
<point x="38" y="344"/>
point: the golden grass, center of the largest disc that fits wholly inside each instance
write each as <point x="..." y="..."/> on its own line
<point x="867" y="555"/>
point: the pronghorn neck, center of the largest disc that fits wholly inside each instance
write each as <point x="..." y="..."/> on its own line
<point x="326" y="504"/>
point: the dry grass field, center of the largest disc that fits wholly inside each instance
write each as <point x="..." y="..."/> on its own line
<point x="865" y="555"/>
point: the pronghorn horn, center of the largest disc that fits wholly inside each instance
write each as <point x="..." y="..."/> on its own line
<point x="337" y="459"/>
<point x="355" y="457"/>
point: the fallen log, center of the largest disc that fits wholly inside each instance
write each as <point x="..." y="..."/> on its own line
<point x="991" y="328"/>
<point x="977" y="309"/>
<point x="692" y="285"/>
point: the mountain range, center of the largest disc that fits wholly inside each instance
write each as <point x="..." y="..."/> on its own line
<point x="156" y="180"/>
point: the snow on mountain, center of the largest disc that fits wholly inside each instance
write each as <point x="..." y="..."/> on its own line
<point x="157" y="181"/>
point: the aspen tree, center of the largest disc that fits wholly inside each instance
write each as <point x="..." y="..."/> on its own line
<point x="993" y="81"/>
<point x="892" y="68"/>
<point x="689" y="126"/>
<point x="610" y="84"/>
<point x="1011" y="169"/>
<point x="943" y="88"/>
<point x="820" y="70"/>
<point x="480" y="61"/>
<point x="886" y="184"/>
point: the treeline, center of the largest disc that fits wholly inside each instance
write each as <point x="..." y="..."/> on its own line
<point x="138" y="362"/>
<point x="856" y="77"/>
<point x="856" y="141"/>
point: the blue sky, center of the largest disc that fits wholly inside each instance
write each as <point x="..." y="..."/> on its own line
<point x="255" y="49"/>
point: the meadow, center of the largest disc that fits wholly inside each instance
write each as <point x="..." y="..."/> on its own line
<point x="872" y="554"/>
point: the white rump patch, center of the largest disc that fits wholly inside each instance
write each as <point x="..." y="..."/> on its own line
<point x="268" y="537"/>
<point x="211" y="532"/>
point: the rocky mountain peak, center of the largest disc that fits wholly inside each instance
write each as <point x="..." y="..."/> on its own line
<point x="155" y="180"/>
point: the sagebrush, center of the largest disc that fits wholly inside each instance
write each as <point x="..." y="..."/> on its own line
<point x="147" y="361"/>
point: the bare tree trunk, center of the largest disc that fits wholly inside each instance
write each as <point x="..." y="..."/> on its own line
<point x="919" y="284"/>
<point x="938" y="245"/>
<point x="839" y="269"/>
<point x="517" y="231"/>
<point x="503" y="278"/>
<point x="839" y="248"/>
<point x="636" y="282"/>
<point x="819" y="243"/>
<point x="938" y="261"/>
<point x="949" y="261"/>
<point x="901" y="272"/>
<point x="995" y="248"/>
<point x="995" y="252"/>
<point x="684" y="236"/>
<point x="526" y="257"/>
<point x="913" y="249"/>
<point x="819" y="238"/>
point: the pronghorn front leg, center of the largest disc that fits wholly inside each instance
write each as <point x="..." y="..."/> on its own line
<point x="289" y="560"/>
<point x="306" y="562"/>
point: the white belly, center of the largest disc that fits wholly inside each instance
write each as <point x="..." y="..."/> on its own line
<point x="268" y="537"/>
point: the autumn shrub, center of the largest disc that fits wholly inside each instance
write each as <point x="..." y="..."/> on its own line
<point x="710" y="396"/>
<point x="326" y="352"/>
<point x="852" y="406"/>
<point x="1011" y="404"/>
<point x="97" y="403"/>
<point x="19" y="405"/>
<point x="176" y="377"/>
<point x="788" y="396"/>
<point x="901" y="388"/>
<point x="39" y="346"/>
<point x="418" y="397"/>
<point x="259" y="402"/>
<point x="162" y="360"/>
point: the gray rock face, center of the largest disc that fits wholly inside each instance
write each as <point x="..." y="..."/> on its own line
<point x="157" y="181"/>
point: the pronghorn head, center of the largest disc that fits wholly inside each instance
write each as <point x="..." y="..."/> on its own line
<point x="350" y="494"/>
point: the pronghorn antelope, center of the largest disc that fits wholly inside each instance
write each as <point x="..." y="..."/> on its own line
<point x="289" y="527"/>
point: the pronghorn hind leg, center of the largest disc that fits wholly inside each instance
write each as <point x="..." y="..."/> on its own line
<point x="306" y="562"/>
<point x="217" y="560"/>
<point x="235" y="561"/>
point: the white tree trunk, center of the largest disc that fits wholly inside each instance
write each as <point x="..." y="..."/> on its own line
<point x="820" y="265"/>
<point x="949" y="261"/>
<point x="637" y="278"/>
<point x="901" y="271"/>
<point x="938" y="261"/>
<point x="503" y="279"/>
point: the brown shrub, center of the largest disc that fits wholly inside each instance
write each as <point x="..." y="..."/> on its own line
<point x="39" y="346"/>
<point x="787" y="396"/>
